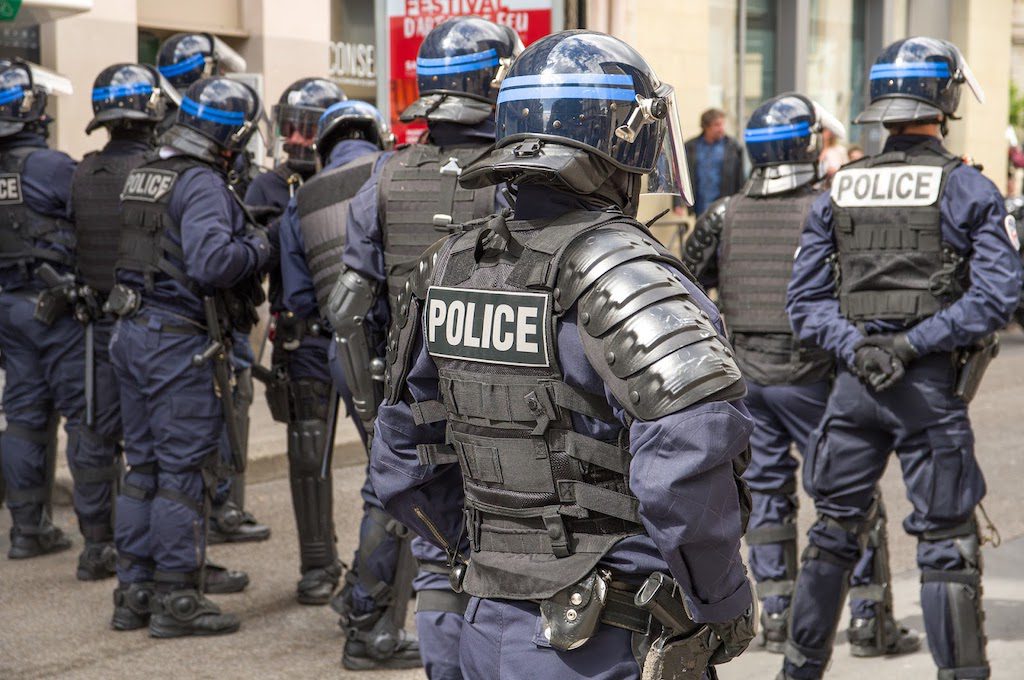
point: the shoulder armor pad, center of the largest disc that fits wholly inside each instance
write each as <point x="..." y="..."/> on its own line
<point x="653" y="345"/>
<point x="595" y="253"/>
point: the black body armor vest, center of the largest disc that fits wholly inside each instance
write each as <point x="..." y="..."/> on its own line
<point x="96" y="195"/>
<point x="146" y="245"/>
<point x="892" y="262"/>
<point x="323" y="210"/>
<point x="544" y="503"/>
<point x="23" y="230"/>
<point x="755" y="264"/>
<point x="420" y="201"/>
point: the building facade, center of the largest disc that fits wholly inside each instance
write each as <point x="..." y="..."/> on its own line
<point x="725" y="53"/>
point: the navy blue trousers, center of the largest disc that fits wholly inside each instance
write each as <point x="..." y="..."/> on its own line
<point x="927" y="427"/>
<point x="45" y="370"/>
<point x="173" y="423"/>
<point x="785" y="416"/>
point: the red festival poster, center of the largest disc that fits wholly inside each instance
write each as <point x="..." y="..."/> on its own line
<point x="409" y="21"/>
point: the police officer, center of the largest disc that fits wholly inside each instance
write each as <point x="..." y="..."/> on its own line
<point x="183" y="59"/>
<point x="743" y="246"/>
<point x="298" y="390"/>
<point x="128" y="100"/>
<point x="410" y="201"/>
<point x="905" y="270"/>
<point x="589" y="399"/>
<point x="40" y="340"/>
<point x="185" y="245"/>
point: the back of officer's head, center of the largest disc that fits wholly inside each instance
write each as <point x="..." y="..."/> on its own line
<point x="568" y="118"/>
<point x="128" y="100"/>
<point x="459" y="68"/>
<point x="351" y="119"/>
<point x="22" y="100"/>
<point x="216" y="119"/>
<point x="917" y="81"/>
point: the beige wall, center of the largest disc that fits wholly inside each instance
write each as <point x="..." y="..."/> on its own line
<point x="80" y="47"/>
<point x="982" y="29"/>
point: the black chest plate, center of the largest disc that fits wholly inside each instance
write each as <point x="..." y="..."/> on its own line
<point x="488" y="326"/>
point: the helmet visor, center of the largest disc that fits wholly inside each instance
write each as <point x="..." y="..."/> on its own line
<point x="671" y="175"/>
<point x="966" y="75"/>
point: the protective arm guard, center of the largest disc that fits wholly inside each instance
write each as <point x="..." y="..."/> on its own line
<point x="351" y="299"/>
<point x="700" y="253"/>
<point x="655" y="348"/>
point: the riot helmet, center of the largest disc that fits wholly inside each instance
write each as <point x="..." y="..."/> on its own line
<point x="24" y="87"/>
<point x="296" y="115"/>
<point x="216" y="119"/>
<point x="784" y="139"/>
<point x="351" y="119"/>
<point x="918" y="80"/>
<point x="123" y="93"/>
<point x="459" y="68"/>
<point x="580" y="109"/>
<point x="185" y="58"/>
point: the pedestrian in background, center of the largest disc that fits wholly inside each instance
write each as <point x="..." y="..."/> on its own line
<point x="716" y="162"/>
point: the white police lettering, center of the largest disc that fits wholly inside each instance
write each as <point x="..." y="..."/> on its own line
<point x="894" y="185"/>
<point x="489" y="326"/>
<point x="148" y="185"/>
<point x="10" y="188"/>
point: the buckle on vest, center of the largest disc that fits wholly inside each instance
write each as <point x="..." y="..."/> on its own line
<point x="527" y="148"/>
<point x="451" y="167"/>
<point x="557" y="532"/>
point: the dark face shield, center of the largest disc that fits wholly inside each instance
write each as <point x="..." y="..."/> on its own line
<point x="294" y="132"/>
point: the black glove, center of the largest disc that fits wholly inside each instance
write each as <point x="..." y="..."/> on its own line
<point x="735" y="636"/>
<point x="898" y="345"/>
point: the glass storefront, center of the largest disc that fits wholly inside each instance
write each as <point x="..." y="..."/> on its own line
<point x="20" y="42"/>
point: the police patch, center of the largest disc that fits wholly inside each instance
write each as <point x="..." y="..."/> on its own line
<point x="896" y="185"/>
<point x="150" y="185"/>
<point x="493" y="327"/>
<point x="10" y="188"/>
<point x="1010" y="224"/>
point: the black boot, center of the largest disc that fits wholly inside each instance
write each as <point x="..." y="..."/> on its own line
<point x="97" y="561"/>
<point x="774" y="630"/>
<point x="44" y="539"/>
<point x="373" y="642"/>
<point x="864" y="642"/>
<point x="223" y="581"/>
<point x="318" y="584"/>
<point x="231" y="524"/>
<point x="185" y="612"/>
<point x="132" y="605"/>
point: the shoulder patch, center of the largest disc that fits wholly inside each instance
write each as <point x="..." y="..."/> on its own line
<point x="887" y="186"/>
<point x="489" y="326"/>
<point x="148" y="184"/>
<point x="10" y="188"/>
<point x="1010" y="224"/>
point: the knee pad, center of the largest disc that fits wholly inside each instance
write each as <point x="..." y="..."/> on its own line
<point x="875" y="535"/>
<point x="965" y="616"/>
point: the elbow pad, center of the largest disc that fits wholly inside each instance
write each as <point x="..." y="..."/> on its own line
<point x="701" y="246"/>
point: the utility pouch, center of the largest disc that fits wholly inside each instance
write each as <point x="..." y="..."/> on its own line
<point x="971" y="364"/>
<point x="51" y="305"/>
<point x="571" y="616"/>
<point x="122" y="301"/>
<point x="680" y="658"/>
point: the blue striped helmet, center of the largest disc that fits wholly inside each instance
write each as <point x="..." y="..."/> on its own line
<point x="21" y="101"/>
<point x="126" y="92"/>
<point x="222" y="110"/>
<point x="463" y="56"/>
<point x="787" y="129"/>
<point x="577" y="88"/>
<point x="917" y="79"/>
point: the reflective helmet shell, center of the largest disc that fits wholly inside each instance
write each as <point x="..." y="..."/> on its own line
<point x="185" y="58"/>
<point x="223" y="110"/>
<point x="575" y="88"/>
<point x="298" y="110"/>
<point x="126" y="92"/>
<point x="345" y="116"/>
<point x="21" y="102"/>
<point x="462" y="55"/>
<point x="783" y="129"/>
